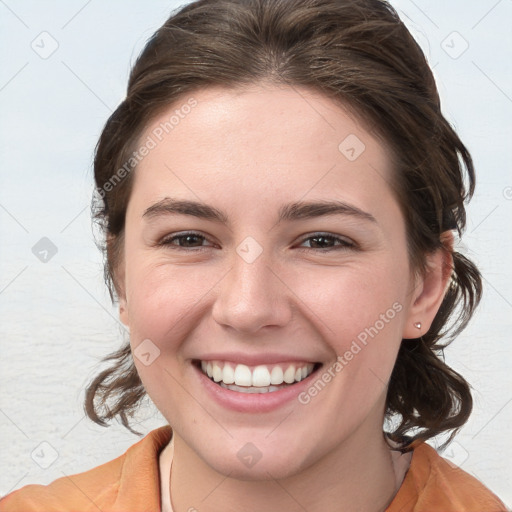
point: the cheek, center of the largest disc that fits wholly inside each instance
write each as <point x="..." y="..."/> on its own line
<point x="364" y="313"/>
<point x="164" y="304"/>
<point x="359" y="313"/>
<point x="349" y="300"/>
<point x="162" y="297"/>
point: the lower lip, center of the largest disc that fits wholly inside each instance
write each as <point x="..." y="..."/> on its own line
<point x="253" y="402"/>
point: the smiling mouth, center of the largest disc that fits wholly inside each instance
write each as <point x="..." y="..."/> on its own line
<point x="256" y="379"/>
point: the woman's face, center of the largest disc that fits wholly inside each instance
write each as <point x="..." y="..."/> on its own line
<point x="261" y="277"/>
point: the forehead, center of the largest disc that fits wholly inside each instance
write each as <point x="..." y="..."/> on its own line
<point x="261" y="142"/>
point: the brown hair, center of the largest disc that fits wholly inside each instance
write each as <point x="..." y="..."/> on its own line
<point x="359" y="54"/>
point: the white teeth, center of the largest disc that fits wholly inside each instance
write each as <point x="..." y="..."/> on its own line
<point x="259" y="380"/>
<point x="289" y="374"/>
<point x="260" y="376"/>
<point x="276" y="377"/>
<point x="241" y="389"/>
<point x="217" y="373"/>
<point x="228" y="374"/>
<point x="243" y="375"/>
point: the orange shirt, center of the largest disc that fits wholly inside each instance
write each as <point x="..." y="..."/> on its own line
<point x="131" y="483"/>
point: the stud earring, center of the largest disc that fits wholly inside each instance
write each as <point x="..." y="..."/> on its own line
<point x="417" y="325"/>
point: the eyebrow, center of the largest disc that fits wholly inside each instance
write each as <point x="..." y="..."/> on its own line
<point x="292" y="211"/>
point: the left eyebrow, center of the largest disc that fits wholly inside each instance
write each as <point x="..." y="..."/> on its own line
<point x="308" y="210"/>
<point x="290" y="212"/>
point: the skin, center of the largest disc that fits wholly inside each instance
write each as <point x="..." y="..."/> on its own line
<point x="248" y="152"/>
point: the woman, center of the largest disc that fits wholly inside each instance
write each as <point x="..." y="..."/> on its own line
<point x="279" y="193"/>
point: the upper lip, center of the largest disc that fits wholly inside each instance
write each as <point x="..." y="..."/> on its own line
<point x="255" y="359"/>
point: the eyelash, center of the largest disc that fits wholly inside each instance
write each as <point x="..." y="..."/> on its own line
<point x="344" y="245"/>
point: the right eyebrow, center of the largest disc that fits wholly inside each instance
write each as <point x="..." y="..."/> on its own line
<point x="169" y="206"/>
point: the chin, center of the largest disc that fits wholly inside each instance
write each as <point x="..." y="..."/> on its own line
<point x="263" y="470"/>
<point x="249" y="463"/>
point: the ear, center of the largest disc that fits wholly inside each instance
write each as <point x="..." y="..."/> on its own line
<point x="123" y="311"/>
<point x="119" y="286"/>
<point x="430" y="289"/>
<point x="121" y="293"/>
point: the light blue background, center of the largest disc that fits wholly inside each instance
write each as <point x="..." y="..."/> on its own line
<point x="57" y="321"/>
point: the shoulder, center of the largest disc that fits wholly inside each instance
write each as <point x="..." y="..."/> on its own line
<point x="131" y="477"/>
<point x="433" y="483"/>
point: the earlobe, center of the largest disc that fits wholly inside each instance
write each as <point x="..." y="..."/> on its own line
<point x="430" y="289"/>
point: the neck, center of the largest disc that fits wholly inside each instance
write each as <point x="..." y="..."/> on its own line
<point x="357" y="475"/>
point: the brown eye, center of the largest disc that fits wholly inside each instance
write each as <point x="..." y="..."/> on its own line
<point x="324" y="241"/>
<point x="184" y="241"/>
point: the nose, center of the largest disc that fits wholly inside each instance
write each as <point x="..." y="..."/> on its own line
<point x="253" y="296"/>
